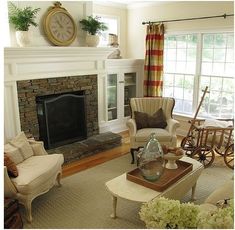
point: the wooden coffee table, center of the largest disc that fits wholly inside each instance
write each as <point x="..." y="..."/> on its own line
<point x="120" y="187"/>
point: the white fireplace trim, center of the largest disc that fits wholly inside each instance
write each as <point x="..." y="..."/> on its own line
<point x="48" y="62"/>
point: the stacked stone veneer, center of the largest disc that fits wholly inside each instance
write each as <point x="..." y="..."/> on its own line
<point x="29" y="89"/>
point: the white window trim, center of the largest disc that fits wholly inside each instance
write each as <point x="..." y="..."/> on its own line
<point x="118" y="23"/>
<point x="199" y="33"/>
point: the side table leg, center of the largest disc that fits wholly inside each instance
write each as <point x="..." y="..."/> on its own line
<point x="114" y="214"/>
<point x="193" y="197"/>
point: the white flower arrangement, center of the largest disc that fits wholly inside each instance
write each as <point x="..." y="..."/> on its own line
<point x="165" y="213"/>
<point x="221" y="218"/>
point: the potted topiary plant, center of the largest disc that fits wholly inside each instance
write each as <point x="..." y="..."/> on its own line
<point x="93" y="26"/>
<point x="22" y="19"/>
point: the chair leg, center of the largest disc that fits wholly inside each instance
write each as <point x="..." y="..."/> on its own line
<point x="28" y="207"/>
<point x="59" y="179"/>
<point x="133" y="156"/>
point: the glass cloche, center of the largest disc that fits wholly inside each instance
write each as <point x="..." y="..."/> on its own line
<point x="151" y="162"/>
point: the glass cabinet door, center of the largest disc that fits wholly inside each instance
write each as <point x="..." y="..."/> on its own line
<point x="129" y="91"/>
<point x="112" y="96"/>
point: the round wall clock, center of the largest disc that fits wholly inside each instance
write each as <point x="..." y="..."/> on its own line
<point x="59" y="26"/>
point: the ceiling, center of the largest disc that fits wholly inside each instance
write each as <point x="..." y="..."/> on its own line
<point x="128" y="3"/>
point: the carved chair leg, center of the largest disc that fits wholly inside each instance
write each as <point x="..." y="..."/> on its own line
<point x="28" y="207"/>
<point x="59" y="179"/>
<point x="133" y="156"/>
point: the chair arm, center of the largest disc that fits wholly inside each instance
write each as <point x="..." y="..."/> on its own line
<point x="9" y="188"/>
<point x="226" y="191"/>
<point x="172" y="125"/>
<point x="38" y="147"/>
<point x="132" y="127"/>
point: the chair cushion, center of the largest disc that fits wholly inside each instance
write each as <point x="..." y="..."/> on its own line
<point x="162" y="135"/>
<point x="21" y="142"/>
<point x="36" y="171"/>
<point x="144" y="120"/>
<point x="14" y="153"/>
<point x="11" y="166"/>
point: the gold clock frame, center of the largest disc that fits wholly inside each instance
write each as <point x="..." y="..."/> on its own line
<point x="46" y="25"/>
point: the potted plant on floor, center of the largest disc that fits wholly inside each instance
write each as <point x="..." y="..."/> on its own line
<point x="93" y="26"/>
<point x="22" y="19"/>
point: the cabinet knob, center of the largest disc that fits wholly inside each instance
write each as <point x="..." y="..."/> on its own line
<point x="121" y="82"/>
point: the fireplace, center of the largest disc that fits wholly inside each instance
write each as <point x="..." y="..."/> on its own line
<point x="61" y="118"/>
<point x="37" y="95"/>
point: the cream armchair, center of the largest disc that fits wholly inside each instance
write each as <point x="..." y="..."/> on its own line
<point x="139" y="137"/>
<point x="36" y="174"/>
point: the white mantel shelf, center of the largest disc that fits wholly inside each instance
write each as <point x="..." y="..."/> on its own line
<point x="48" y="62"/>
<point x="55" y="51"/>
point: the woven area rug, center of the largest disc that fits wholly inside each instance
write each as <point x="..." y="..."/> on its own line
<point x="84" y="202"/>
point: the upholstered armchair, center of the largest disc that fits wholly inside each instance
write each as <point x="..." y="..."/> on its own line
<point x="29" y="170"/>
<point x="151" y="115"/>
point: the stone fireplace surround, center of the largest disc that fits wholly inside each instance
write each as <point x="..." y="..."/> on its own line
<point x="31" y="64"/>
<point x="28" y="90"/>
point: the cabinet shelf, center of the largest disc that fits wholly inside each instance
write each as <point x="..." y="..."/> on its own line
<point x="130" y="84"/>
<point x="111" y="86"/>
<point x="112" y="108"/>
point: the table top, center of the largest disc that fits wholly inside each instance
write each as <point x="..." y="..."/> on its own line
<point x="121" y="187"/>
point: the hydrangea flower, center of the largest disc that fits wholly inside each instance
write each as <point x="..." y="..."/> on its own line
<point x="165" y="213"/>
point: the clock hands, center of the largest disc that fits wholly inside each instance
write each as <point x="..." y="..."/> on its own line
<point x="60" y="25"/>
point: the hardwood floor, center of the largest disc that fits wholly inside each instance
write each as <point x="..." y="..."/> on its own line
<point x="101" y="157"/>
<point x="98" y="158"/>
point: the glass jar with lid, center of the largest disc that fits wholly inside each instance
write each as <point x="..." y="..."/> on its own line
<point x="151" y="162"/>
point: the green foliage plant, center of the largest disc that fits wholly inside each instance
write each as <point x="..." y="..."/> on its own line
<point x="22" y="19"/>
<point x="93" y="25"/>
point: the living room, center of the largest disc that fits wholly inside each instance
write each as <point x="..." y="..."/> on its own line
<point x="197" y="53"/>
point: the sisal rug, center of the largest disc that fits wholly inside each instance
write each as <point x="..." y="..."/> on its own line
<point x="84" y="202"/>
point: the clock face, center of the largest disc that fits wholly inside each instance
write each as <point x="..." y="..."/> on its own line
<point x="59" y="27"/>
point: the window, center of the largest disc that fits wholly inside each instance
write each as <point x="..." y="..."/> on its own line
<point x="112" y="23"/>
<point x="194" y="61"/>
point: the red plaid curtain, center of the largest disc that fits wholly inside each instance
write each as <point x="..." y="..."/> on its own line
<point x="153" y="67"/>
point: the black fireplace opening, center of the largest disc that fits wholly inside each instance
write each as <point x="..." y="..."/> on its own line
<point x="62" y="118"/>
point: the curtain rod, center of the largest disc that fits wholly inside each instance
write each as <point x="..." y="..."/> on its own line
<point x="187" y="19"/>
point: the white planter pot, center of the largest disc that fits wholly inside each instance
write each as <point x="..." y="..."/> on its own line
<point x="92" y="40"/>
<point x="22" y="38"/>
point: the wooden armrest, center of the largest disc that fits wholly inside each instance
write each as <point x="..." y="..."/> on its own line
<point x="9" y="188"/>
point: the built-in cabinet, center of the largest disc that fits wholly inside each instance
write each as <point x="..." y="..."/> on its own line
<point x="124" y="80"/>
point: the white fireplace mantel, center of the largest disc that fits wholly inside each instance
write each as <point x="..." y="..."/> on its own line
<point x="47" y="62"/>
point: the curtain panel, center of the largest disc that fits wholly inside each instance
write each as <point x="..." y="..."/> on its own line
<point x="153" y="67"/>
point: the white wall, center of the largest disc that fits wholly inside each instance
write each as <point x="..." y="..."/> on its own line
<point x="175" y="10"/>
<point x="121" y="14"/>
<point x="78" y="10"/>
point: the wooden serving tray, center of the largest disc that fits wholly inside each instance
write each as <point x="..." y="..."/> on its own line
<point x="169" y="176"/>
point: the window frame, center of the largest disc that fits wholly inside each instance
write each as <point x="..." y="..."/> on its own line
<point x="196" y="88"/>
<point x="118" y="23"/>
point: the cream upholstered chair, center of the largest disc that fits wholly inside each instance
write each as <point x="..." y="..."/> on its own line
<point x="139" y="137"/>
<point x="37" y="171"/>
